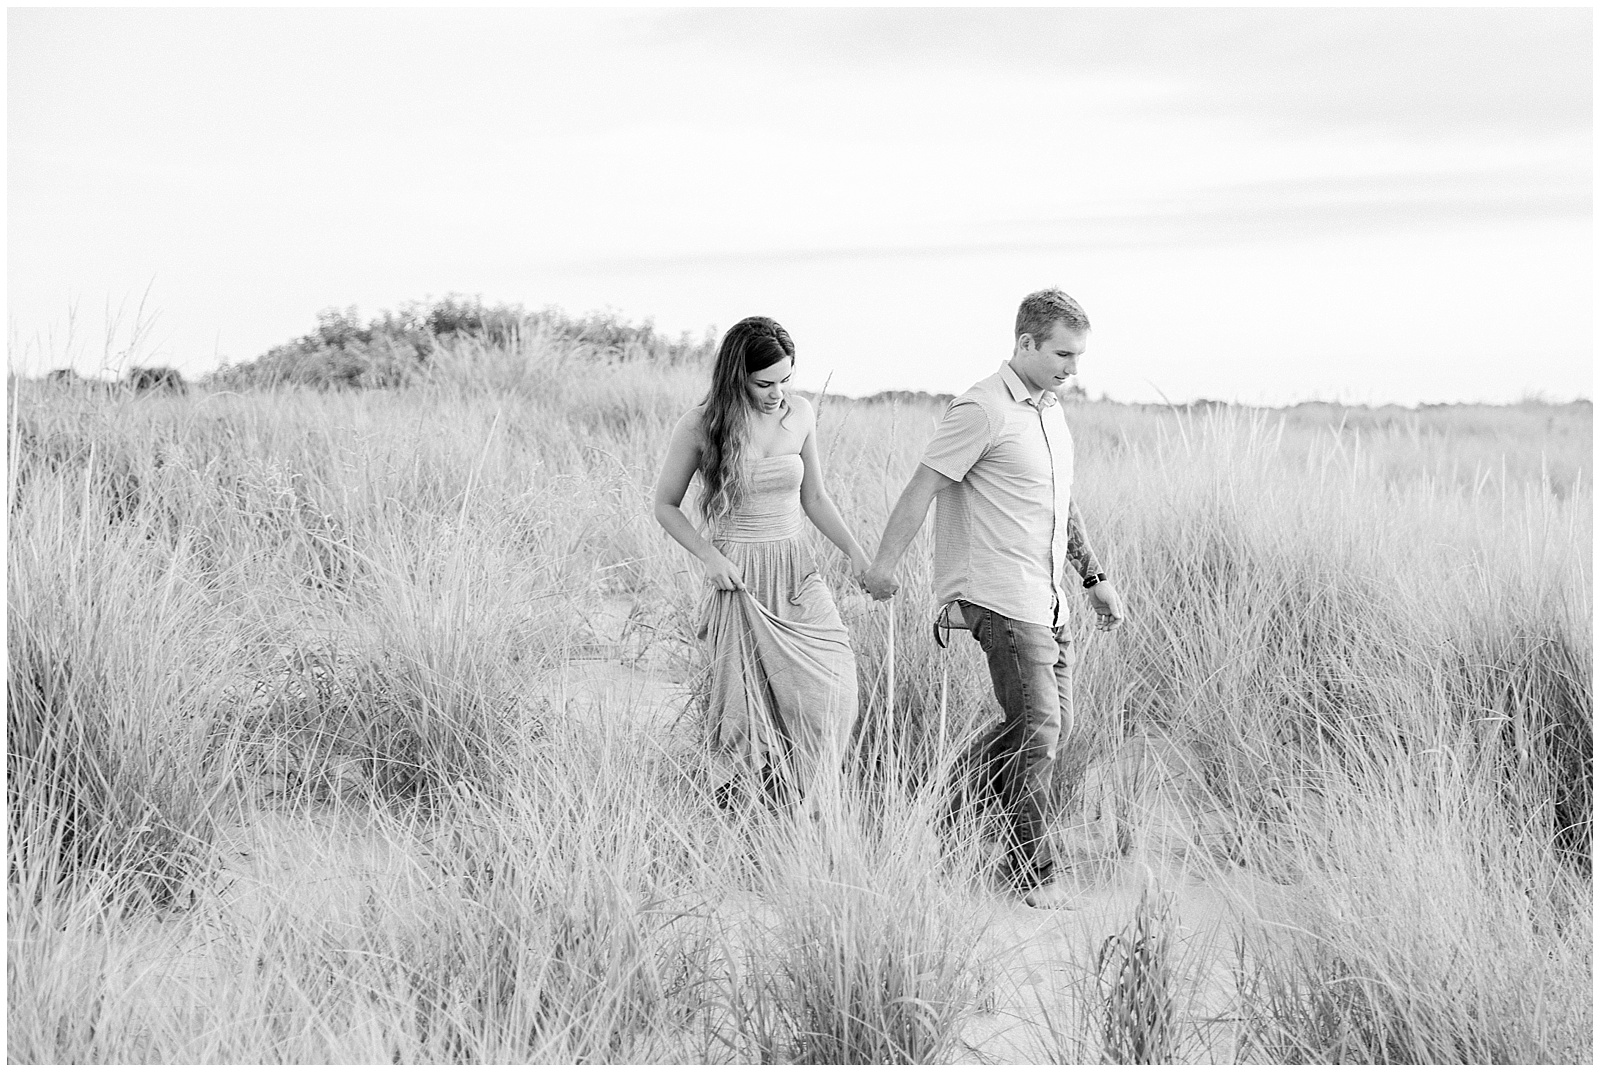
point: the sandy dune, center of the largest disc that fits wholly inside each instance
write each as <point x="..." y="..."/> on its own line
<point x="288" y="869"/>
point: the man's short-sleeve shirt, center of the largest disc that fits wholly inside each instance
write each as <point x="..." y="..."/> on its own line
<point x="1000" y="531"/>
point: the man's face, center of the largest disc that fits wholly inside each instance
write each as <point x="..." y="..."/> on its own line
<point x="1044" y="365"/>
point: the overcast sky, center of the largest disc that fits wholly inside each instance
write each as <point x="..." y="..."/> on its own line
<point x="1262" y="205"/>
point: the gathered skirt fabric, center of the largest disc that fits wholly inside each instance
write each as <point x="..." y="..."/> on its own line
<point x="783" y="688"/>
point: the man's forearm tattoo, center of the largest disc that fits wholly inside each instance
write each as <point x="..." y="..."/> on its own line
<point x="1079" y="553"/>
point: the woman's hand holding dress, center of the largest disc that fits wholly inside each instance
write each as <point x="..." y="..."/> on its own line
<point x="723" y="574"/>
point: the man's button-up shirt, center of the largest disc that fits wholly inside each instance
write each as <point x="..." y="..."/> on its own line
<point x="1000" y="531"/>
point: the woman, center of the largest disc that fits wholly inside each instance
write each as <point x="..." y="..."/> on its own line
<point x="783" y="677"/>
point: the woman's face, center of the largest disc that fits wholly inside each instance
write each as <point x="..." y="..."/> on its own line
<point x="765" y="387"/>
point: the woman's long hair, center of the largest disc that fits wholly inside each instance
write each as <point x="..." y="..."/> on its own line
<point x="749" y="346"/>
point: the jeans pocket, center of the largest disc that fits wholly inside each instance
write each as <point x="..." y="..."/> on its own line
<point x="981" y="623"/>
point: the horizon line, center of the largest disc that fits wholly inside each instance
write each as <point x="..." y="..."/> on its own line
<point x="98" y="379"/>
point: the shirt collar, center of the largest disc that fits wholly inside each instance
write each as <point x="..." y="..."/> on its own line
<point x="1019" y="390"/>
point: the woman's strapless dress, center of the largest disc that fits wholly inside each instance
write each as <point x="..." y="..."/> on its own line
<point x="783" y="675"/>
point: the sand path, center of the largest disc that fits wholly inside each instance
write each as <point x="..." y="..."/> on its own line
<point x="290" y="870"/>
<point x="1163" y="838"/>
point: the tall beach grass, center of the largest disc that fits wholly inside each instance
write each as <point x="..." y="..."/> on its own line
<point x="234" y="613"/>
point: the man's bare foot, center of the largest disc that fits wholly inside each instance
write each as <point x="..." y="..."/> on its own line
<point x="1052" y="895"/>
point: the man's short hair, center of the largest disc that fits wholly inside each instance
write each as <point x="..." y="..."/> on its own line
<point x="1039" y="311"/>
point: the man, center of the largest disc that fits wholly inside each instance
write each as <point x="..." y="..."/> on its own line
<point x="1000" y="464"/>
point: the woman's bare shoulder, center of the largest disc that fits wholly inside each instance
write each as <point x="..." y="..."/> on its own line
<point x="693" y="422"/>
<point x="803" y="409"/>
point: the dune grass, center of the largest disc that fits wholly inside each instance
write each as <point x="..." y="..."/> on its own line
<point x="1373" y="639"/>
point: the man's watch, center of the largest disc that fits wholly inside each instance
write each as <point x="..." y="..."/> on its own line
<point x="1093" y="579"/>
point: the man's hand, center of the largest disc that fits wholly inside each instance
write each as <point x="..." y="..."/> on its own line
<point x="904" y="521"/>
<point x="879" y="583"/>
<point x="1107" y="606"/>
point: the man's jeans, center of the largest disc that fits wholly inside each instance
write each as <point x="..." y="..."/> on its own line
<point x="1005" y="776"/>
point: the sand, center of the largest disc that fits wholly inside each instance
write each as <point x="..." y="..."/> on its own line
<point x="290" y="868"/>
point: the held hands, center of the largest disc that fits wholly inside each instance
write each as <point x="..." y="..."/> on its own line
<point x="1107" y="606"/>
<point x="879" y="583"/>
